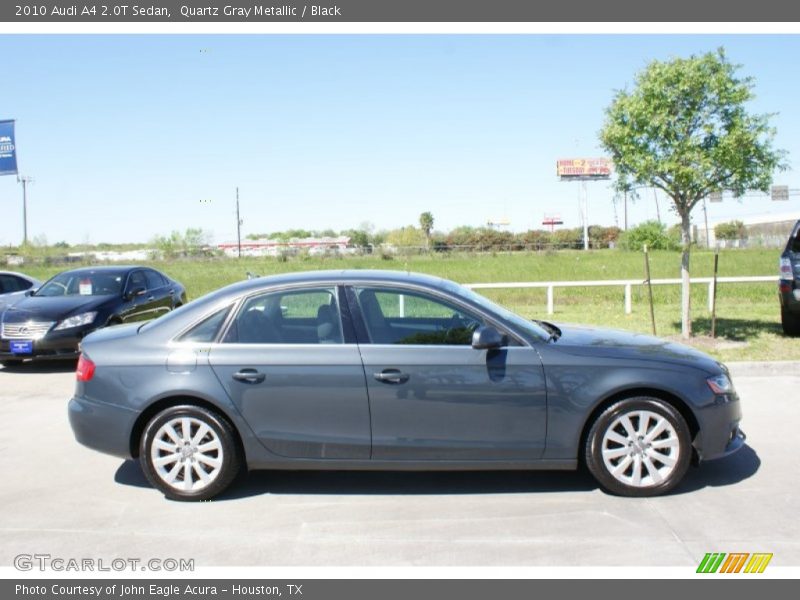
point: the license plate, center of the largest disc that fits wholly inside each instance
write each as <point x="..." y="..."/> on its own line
<point x="21" y="346"/>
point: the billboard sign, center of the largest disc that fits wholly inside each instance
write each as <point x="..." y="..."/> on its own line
<point x="8" y="151"/>
<point x="780" y="192"/>
<point x="583" y="168"/>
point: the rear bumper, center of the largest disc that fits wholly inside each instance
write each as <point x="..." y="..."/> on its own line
<point x="789" y="294"/>
<point x="102" y="427"/>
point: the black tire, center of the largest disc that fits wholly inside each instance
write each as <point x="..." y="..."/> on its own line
<point x="790" y="323"/>
<point x="11" y="363"/>
<point x="219" y="431"/>
<point x="664" y="475"/>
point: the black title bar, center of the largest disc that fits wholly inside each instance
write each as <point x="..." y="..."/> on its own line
<point x="343" y="11"/>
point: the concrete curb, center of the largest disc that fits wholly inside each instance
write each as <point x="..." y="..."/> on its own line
<point x="764" y="369"/>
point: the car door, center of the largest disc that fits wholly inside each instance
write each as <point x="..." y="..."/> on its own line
<point x="432" y="396"/>
<point x="159" y="294"/>
<point x="294" y="372"/>
<point x="136" y="306"/>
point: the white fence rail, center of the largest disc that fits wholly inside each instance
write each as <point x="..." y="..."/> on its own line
<point x="626" y="283"/>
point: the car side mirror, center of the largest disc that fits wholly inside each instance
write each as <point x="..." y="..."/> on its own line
<point x="487" y="337"/>
<point x="132" y="293"/>
<point x="31" y="291"/>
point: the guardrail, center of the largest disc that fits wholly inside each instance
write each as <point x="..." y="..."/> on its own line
<point x="626" y="283"/>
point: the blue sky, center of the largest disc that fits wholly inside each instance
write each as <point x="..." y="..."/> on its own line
<point x="129" y="136"/>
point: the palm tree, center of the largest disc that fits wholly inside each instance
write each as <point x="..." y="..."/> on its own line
<point x="426" y="224"/>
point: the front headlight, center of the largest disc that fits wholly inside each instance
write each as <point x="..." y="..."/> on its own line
<point x="720" y="384"/>
<point x="77" y="321"/>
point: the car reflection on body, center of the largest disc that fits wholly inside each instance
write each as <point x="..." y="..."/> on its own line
<point x="50" y="322"/>
<point x="384" y="370"/>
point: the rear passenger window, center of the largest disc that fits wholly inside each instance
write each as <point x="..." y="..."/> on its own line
<point x="309" y="316"/>
<point x="207" y="330"/>
<point x="154" y="280"/>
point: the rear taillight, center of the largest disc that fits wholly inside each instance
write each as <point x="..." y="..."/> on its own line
<point x="786" y="269"/>
<point x="85" y="369"/>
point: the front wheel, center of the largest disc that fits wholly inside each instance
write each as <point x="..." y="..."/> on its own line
<point x="639" y="447"/>
<point x="189" y="453"/>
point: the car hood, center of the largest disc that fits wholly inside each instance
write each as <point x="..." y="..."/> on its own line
<point x="613" y="343"/>
<point x="51" y="308"/>
<point x="7" y="300"/>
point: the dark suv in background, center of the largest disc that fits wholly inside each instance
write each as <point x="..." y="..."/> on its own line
<point x="789" y="285"/>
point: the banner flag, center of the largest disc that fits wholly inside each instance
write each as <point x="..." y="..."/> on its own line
<point x="8" y="152"/>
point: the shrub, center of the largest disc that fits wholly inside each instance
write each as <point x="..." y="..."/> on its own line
<point x="651" y="233"/>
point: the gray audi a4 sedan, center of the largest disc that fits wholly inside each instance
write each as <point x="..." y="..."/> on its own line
<point x="388" y="370"/>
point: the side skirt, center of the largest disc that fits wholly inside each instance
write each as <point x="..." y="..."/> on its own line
<point x="404" y="465"/>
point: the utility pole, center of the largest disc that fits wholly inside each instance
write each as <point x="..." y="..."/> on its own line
<point x="238" y="225"/>
<point x="24" y="180"/>
<point x="585" y="213"/>
<point x="626" y="210"/>
<point x="708" y="238"/>
<point x="658" y="212"/>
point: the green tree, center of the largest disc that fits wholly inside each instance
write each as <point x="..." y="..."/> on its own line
<point x="190" y="243"/>
<point x="732" y="230"/>
<point x="426" y="224"/>
<point x="358" y="237"/>
<point x="685" y="129"/>
<point x="406" y="237"/>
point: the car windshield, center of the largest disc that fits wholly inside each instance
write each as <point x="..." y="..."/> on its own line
<point x="514" y="319"/>
<point x="83" y="283"/>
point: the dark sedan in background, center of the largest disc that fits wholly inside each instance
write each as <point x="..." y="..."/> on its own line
<point x="14" y="285"/>
<point x="387" y="370"/>
<point x="50" y="322"/>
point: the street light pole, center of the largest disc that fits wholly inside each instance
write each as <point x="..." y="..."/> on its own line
<point x="238" y="225"/>
<point x="24" y="180"/>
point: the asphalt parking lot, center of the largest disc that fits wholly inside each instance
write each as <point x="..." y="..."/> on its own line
<point x="62" y="499"/>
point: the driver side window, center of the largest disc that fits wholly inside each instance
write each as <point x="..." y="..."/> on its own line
<point x="137" y="280"/>
<point x="405" y="317"/>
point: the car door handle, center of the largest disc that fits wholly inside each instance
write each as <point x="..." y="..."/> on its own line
<point x="249" y="376"/>
<point x="392" y="376"/>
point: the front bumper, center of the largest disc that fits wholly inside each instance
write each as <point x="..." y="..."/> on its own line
<point x="720" y="434"/>
<point x="103" y="427"/>
<point x="53" y="346"/>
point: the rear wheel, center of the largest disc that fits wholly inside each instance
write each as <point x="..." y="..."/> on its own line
<point x="189" y="453"/>
<point x="639" y="447"/>
<point x="790" y="322"/>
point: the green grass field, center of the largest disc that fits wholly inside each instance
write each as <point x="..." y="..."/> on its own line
<point x="748" y="316"/>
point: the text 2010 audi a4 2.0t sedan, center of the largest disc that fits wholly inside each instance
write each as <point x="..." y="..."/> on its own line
<point x="50" y="322"/>
<point x="385" y="370"/>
